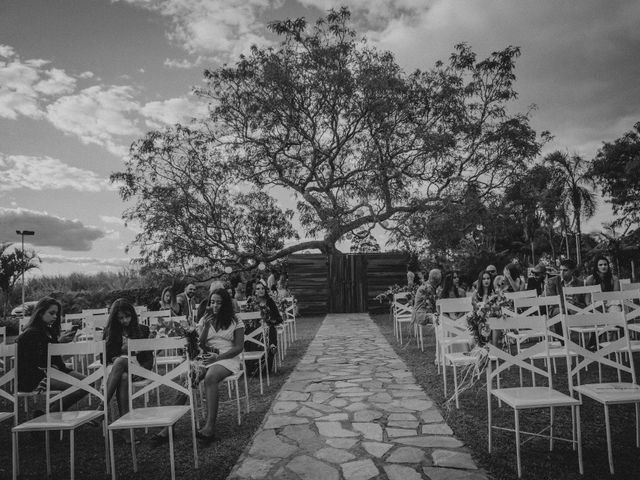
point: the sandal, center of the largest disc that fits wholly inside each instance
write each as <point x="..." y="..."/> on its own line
<point x="206" y="439"/>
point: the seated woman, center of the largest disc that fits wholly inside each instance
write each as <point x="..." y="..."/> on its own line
<point x="168" y="301"/>
<point x="42" y="329"/>
<point x="221" y="340"/>
<point x="513" y="274"/>
<point x="451" y="286"/>
<point x="271" y="317"/>
<point x="122" y="325"/>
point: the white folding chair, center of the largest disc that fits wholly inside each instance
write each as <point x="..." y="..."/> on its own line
<point x="290" y="317"/>
<point x="454" y="332"/>
<point x="140" y="308"/>
<point x="160" y="416"/>
<point x="95" y="311"/>
<point x="513" y="296"/>
<point x="625" y="281"/>
<point x="626" y="300"/>
<point x="453" y="309"/>
<point x="7" y="380"/>
<point x="257" y="337"/>
<point x="69" y="420"/>
<point x="522" y="398"/>
<point x="629" y="286"/>
<point x="402" y="309"/>
<point x="571" y="308"/>
<point x="606" y="393"/>
<point x="3" y="335"/>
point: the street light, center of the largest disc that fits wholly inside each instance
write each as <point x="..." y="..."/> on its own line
<point x="22" y="233"/>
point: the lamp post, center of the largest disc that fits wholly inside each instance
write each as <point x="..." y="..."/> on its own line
<point x="22" y="234"/>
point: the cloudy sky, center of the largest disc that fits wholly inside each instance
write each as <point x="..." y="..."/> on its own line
<point x="81" y="79"/>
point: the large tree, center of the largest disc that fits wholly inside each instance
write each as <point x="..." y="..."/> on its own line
<point x="338" y="125"/>
<point x="617" y="168"/>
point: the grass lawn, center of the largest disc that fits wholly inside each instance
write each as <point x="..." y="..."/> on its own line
<point x="469" y="424"/>
<point x="216" y="460"/>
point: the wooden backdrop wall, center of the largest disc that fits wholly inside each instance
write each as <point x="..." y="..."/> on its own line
<point x="344" y="283"/>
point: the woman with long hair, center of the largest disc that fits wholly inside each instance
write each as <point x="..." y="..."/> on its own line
<point x="485" y="288"/>
<point x="262" y="301"/>
<point x="42" y="329"/>
<point x="168" y="301"/>
<point x="122" y="325"/>
<point x="513" y="274"/>
<point x="603" y="276"/>
<point x="221" y="340"/>
<point x="451" y="286"/>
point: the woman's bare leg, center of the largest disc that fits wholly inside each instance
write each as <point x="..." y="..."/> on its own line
<point x="212" y="379"/>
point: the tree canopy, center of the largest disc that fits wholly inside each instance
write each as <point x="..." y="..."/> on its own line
<point x="617" y="168"/>
<point x="340" y="127"/>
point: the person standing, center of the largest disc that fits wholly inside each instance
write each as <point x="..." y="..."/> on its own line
<point x="186" y="302"/>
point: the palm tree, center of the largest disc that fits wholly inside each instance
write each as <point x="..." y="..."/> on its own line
<point x="11" y="267"/>
<point x="578" y="189"/>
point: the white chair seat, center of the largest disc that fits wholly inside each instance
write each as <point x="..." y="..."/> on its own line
<point x="94" y="365"/>
<point x="151" y="417"/>
<point x="634" y="327"/>
<point x="59" y="420"/>
<point x="459" y="358"/>
<point x="634" y="344"/>
<point x="611" y="393"/>
<point x="253" y="355"/>
<point x="555" y="352"/>
<point x="522" y="336"/>
<point x="594" y="329"/>
<point x="532" y="397"/>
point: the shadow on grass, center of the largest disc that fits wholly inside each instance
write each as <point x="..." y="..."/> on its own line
<point x="469" y="424"/>
<point x="216" y="460"/>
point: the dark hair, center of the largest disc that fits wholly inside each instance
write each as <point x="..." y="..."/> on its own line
<point x="36" y="322"/>
<point x="226" y="315"/>
<point x="514" y="270"/>
<point x="449" y="290"/>
<point x="113" y="330"/>
<point x="172" y="297"/>
<point x="480" y="292"/>
<point x="570" y="264"/>
<point x="605" y="281"/>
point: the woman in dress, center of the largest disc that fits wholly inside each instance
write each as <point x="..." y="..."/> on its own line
<point x="42" y="329"/>
<point x="451" y="286"/>
<point x="271" y="317"/>
<point x="485" y="288"/>
<point x="121" y="326"/>
<point x="222" y="340"/>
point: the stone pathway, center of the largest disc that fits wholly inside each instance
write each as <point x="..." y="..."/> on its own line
<point x="351" y="410"/>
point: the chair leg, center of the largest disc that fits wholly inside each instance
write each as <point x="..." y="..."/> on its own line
<point x="47" y="446"/>
<point x="260" y="373"/>
<point x="638" y="425"/>
<point x="16" y="465"/>
<point x="173" y="460"/>
<point x="106" y="446"/>
<point x="489" y="420"/>
<point x="551" y="429"/>
<point x="455" y="384"/>
<point x="133" y="449"/>
<point x="72" y="454"/>
<point x="517" y="422"/>
<point x="609" y="450"/>
<point x="112" y="455"/>
<point x="246" y="389"/>
<point x="238" y="400"/>
<point x="444" y="375"/>
<point x="579" y="435"/>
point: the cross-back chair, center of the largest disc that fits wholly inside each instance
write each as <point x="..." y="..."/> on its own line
<point x="402" y="311"/>
<point x="69" y="420"/>
<point x="176" y="378"/>
<point x="609" y="392"/>
<point x="257" y="337"/>
<point x="540" y="395"/>
<point x="454" y="309"/>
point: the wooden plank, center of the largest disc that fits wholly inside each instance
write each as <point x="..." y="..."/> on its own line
<point x="308" y="274"/>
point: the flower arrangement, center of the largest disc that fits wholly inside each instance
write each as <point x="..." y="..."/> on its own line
<point x="477" y="322"/>
<point x="388" y="294"/>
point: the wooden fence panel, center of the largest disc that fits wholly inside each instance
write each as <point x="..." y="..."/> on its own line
<point x="307" y="275"/>
<point x="383" y="271"/>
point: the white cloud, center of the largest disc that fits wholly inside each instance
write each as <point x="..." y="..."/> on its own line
<point x="106" y="262"/>
<point x="50" y="230"/>
<point x="173" y="110"/>
<point x="224" y="28"/>
<point x="98" y="115"/>
<point x="46" y="173"/>
<point x="112" y="220"/>
<point x="25" y="85"/>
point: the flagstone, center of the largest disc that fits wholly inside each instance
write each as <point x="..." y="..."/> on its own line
<point x="339" y="402"/>
<point x="345" y="443"/>
<point x="431" y="416"/>
<point x="334" y="429"/>
<point x="333" y="417"/>
<point x="255" y="468"/>
<point x="366" y="415"/>
<point x="284" y="407"/>
<point x="448" y="458"/>
<point x="356" y="406"/>
<point x="359" y="470"/>
<point x="406" y="455"/>
<point x="436" y="429"/>
<point x="321" y="407"/>
<point x="309" y="468"/>
<point x="267" y="444"/>
<point x="287" y="395"/>
<point x="376" y="449"/>
<point x="412" y="424"/>
<point x="277" y="421"/>
<point x="431" y="441"/>
<point x="382" y="397"/>
<point x="334" y="455"/>
<point x="342" y="384"/>
<point x="308" y="412"/>
<point x="394" y="417"/>
<point x="401" y="472"/>
<point x="320" y="397"/>
<point x="413" y="404"/>
<point x="306" y="438"/>
<point x="318" y="387"/>
<point x="400" y="432"/>
<point x="370" y="431"/>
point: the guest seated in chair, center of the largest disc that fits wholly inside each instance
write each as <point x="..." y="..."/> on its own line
<point x="262" y="301"/>
<point x="122" y="325"/>
<point x="42" y="329"/>
<point x="221" y="340"/>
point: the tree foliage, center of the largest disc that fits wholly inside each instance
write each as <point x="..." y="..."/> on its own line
<point x="617" y="168"/>
<point x="12" y="264"/>
<point x="338" y="125"/>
